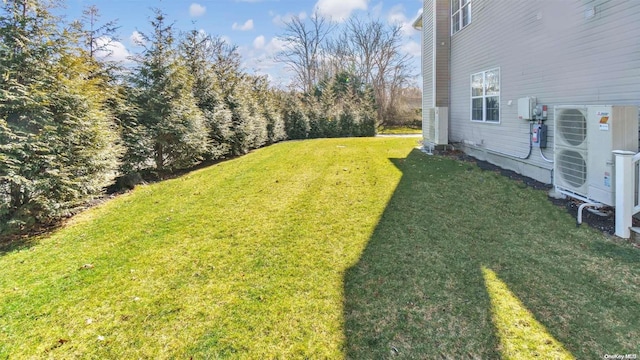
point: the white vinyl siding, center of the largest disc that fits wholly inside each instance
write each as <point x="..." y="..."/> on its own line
<point x="485" y="96"/>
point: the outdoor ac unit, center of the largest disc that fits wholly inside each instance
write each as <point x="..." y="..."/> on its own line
<point x="435" y="126"/>
<point x="585" y="137"/>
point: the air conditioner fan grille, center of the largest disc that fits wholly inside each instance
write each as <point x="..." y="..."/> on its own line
<point x="572" y="126"/>
<point x="573" y="168"/>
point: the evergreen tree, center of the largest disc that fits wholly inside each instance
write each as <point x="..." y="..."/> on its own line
<point x="239" y="108"/>
<point x="271" y="102"/>
<point x="136" y="153"/>
<point x="202" y="53"/>
<point x="231" y="86"/>
<point x="367" y="113"/>
<point x="255" y="124"/>
<point x="296" y="121"/>
<point x="168" y="117"/>
<point x="97" y="38"/>
<point x="56" y="140"/>
<point x="340" y="105"/>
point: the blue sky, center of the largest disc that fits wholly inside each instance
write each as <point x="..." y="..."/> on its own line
<point x="252" y="25"/>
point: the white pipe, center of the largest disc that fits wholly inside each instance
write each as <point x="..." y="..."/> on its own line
<point x="624" y="192"/>
<point x="581" y="207"/>
<point x="545" y="159"/>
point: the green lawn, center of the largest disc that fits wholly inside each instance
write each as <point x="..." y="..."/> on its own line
<point x="357" y="248"/>
<point x="393" y="130"/>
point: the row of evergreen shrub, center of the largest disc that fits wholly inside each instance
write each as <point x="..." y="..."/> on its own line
<point x="341" y="106"/>
<point x="72" y="124"/>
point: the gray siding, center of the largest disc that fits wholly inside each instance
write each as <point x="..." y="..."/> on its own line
<point x="427" y="56"/>
<point x="435" y="66"/>
<point x="547" y="49"/>
<point x="435" y="52"/>
<point x="442" y="46"/>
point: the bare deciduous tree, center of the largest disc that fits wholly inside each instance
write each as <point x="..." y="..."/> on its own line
<point x="305" y="42"/>
<point x="379" y="60"/>
<point x="367" y="49"/>
<point x="337" y="58"/>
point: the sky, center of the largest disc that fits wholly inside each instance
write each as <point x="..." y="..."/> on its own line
<point x="253" y="26"/>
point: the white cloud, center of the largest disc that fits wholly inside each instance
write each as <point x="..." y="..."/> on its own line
<point x="376" y="11"/>
<point x="396" y="14"/>
<point x="136" y="38"/>
<point x="276" y="44"/>
<point x="196" y="10"/>
<point x="281" y="19"/>
<point x="412" y="48"/>
<point x="111" y="50"/>
<point x="260" y="58"/>
<point x="398" y="17"/>
<point x="339" y="10"/>
<point x="276" y="72"/>
<point x="258" y="42"/>
<point x="248" y="25"/>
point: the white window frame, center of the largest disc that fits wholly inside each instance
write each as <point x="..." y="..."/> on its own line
<point x="461" y="10"/>
<point x="485" y="95"/>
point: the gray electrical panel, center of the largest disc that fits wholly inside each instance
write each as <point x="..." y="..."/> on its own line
<point x="539" y="135"/>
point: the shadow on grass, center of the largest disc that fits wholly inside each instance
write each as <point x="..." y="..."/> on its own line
<point x="8" y="246"/>
<point x="418" y="289"/>
<point x="15" y="242"/>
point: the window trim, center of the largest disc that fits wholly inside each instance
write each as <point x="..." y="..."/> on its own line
<point x="484" y="96"/>
<point x="459" y="11"/>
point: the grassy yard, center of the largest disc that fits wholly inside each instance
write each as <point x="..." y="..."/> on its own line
<point x="357" y="248"/>
<point x="393" y="130"/>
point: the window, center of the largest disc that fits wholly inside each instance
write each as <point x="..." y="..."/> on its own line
<point x="485" y="96"/>
<point x="460" y="15"/>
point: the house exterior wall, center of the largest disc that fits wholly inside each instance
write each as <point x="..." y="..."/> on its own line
<point x="548" y="49"/>
<point x="436" y="53"/>
<point x="436" y="50"/>
<point x="442" y="48"/>
<point x="428" y="61"/>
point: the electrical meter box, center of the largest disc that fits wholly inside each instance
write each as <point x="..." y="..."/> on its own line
<point x="526" y="106"/>
<point x="540" y="113"/>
